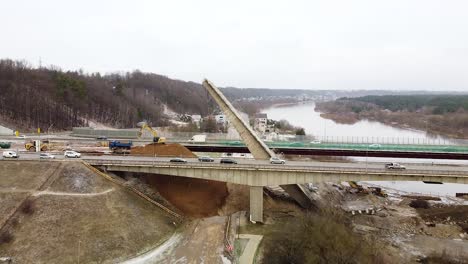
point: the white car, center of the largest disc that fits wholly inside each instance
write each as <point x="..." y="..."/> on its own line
<point x="315" y="141"/>
<point x="46" y="156"/>
<point x="394" y="166"/>
<point x="72" y="154"/>
<point x="10" y="154"/>
<point x="375" y="146"/>
<point x="275" y="160"/>
<point x="21" y="136"/>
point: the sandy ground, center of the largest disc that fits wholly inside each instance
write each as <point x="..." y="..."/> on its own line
<point x="201" y="241"/>
<point x="76" y="215"/>
<point x="193" y="197"/>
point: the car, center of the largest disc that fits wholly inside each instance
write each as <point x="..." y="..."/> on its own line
<point x="275" y="160"/>
<point x="228" y="161"/>
<point x="10" y="154"/>
<point x="101" y="137"/>
<point x="21" y="136"/>
<point x="205" y="159"/>
<point x="72" y="154"/>
<point x="315" y="141"/>
<point x="178" y="160"/>
<point x="394" y="166"/>
<point x="375" y="146"/>
<point x="46" y="156"/>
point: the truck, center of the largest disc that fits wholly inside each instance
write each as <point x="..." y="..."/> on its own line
<point x="120" y="146"/>
<point x="198" y="139"/>
<point x="5" y="145"/>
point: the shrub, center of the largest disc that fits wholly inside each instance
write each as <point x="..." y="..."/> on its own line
<point x="28" y="207"/>
<point x="5" y="238"/>
<point x="419" y="204"/>
<point x="318" y="239"/>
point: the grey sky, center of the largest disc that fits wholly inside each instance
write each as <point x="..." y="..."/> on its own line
<point x="326" y="44"/>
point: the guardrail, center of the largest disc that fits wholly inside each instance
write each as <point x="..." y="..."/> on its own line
<point x="154" y="163"/>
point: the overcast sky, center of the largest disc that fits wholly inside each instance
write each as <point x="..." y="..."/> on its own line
<point x="321" y="44"/>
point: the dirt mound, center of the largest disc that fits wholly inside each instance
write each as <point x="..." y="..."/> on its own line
<point x="163" y="150"/>
<point x="194" y="197"/>
<point x="458" y="213"/>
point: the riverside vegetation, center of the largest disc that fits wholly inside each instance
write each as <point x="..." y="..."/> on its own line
<point x="444" y="114"/>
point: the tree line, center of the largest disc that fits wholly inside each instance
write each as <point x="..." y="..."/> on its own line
<point x="52" y="98"/>
<point x="439" y="104"/>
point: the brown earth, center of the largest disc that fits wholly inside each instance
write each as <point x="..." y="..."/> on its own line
<point x="458" y="213"/>
<point x="163" y="150"/>
<point x="194" y="197"/>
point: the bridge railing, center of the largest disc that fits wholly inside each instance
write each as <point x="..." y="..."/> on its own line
<point x="460" y="173"/>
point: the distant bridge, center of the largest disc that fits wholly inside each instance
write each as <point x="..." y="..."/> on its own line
<point x="336" y="152"/>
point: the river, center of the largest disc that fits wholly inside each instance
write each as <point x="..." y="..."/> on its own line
<point x="304" y="115"/>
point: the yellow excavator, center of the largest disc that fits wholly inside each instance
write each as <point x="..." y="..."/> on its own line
<point x="31" y="146"/>
<point x="156" y="138"/>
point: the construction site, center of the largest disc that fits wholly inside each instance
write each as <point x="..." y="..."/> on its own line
<point x="67" y="211"/>
<point x="79" y="214"/>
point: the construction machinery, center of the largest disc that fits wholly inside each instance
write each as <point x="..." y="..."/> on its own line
<point x="120" y="147"/>
<point x="156" y="139"/>
<point x="31" y="145"/>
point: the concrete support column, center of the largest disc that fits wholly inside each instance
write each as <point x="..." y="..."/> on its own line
<point x="256" y="203"/>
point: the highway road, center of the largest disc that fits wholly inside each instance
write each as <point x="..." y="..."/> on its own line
<point x="242" y="162"/>
<point x="402" y="147"/>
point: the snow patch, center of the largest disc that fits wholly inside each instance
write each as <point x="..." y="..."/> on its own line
<point x="155" y="255"/>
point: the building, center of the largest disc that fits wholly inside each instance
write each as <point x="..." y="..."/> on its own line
<point x="260" y="122"/>
<point x="196" y="119"/>
<point x="221" y="119"/>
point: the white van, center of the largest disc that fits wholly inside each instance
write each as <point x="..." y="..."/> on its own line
<point x="72" y="154"/>
<point x="10" y="154"/>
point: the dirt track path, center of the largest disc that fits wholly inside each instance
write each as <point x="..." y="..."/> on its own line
<point x="72" y="194"/>
<point x="201" y="242"/>
<point x="39" y="193"/>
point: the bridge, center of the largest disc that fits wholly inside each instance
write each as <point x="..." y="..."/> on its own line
<point x="273" y="175"/>
<point x="316" y="151"/>
<point x="256" y="176"/>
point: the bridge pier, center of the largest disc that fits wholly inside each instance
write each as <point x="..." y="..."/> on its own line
<point x="256" y="203"/>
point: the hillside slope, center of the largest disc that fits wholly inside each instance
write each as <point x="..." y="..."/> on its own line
<point x="43" y="97"/>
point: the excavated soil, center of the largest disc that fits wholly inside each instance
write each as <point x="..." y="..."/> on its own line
<point x="163" y="150"/>
<point x="458" y="213"/>
<point x="194" y="197"/>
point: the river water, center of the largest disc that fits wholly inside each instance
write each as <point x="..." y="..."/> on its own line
<point x="304" y="115"/>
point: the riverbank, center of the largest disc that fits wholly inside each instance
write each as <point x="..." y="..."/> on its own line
<point x="451" y="125"/>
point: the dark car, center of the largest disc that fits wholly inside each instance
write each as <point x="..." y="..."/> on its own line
<point x="228" y="161"/>
<point x="178" y="160"/>
<point x="102" y="137"/>
<point x="205" y="159"/>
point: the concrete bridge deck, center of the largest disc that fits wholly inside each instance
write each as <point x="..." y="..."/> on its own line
<point x="272" y="175"/>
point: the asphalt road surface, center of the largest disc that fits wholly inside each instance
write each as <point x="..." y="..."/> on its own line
<point x="243" y="161"/>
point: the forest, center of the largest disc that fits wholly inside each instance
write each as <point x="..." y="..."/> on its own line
<point x="443" y="114"/>
<point x="439" y="104"/>
<point x="54" y="100"/>
<point x="50" y="98"/>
